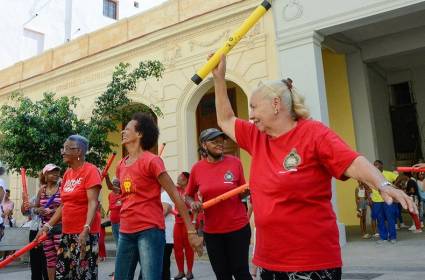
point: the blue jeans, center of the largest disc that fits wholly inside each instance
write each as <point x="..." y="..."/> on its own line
<point x="145" y="247"/>
<point x="116" y="233"/>
<point x="386" y="220"/>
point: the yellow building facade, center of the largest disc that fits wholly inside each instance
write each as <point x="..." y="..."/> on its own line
<point x="180" y="34"/>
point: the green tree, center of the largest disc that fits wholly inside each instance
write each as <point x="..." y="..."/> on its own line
<point x="32" y="132"/>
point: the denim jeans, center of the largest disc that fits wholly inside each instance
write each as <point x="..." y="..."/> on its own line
<point x="386" y="220"/>
<point x="116" y="232"/>
<point x="145" y="247"/>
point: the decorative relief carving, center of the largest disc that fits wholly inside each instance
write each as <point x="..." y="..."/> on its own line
<point x="249" y="38"/>
<point x="194" y="43"/>
<point x="171" y="53"/>
<point x="292" y="10"/>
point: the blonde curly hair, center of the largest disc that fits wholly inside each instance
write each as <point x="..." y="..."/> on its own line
<point x="283" y="89"/>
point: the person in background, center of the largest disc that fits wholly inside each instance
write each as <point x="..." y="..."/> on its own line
<point x="47" y="202"/>
<point x="114" y="198"/>
<point x="397" y="206"/>
<point x="38" y="262"/>
<point x="383" y="212"/>
<point x="362" y="201"/>
<point x="250" y="212"/>
<point x="115" y="203"/>
<point x="102" y="233"/>
<point x="181" y="242"/>
<point x="7" y="206"/>
<point x="420" y="180"/>
<point x="167" y="205"/>
<point x="412" y="191"/>
<point x="3" y="188"/>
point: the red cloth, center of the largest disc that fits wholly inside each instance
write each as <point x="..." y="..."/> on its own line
<point x="213" y="179"/>
<point x="296" y="226"/>
<point x="141" y="193"/>
<point x="179" y="219"/>
<point x="74" y="188"/>
<point x="416" y="220"/>
<point x="102" y="247"/>
<point x="114" y="207"/>
<point x="182" y="248"/>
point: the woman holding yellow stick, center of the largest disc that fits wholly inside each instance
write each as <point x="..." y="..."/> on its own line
<point x="293" y="161"/>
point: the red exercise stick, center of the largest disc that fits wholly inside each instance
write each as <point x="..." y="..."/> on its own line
<point x="22" y="251"/>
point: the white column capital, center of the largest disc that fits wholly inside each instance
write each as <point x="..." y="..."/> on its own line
<point x="296" y="40"/>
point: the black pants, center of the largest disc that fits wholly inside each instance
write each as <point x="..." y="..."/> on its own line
<point x="327" y="274"/>
<point x="228" y="253"/>
<point x="166" y="263"/>
<point x="37" y="260"/>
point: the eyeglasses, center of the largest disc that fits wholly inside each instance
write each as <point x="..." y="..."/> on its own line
<point x="216" y="142"/>
<point x="68" y="149"/>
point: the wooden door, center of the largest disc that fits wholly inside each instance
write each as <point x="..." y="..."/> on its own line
<point x="206" y="118"/>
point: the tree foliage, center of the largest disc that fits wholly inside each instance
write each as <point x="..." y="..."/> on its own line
<point x="32" y="132"/>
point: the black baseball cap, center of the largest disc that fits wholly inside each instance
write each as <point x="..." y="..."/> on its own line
<point x="209" y="134"/>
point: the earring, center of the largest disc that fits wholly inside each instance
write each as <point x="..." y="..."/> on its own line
<point x="276" y="111"/>
<point x="78" y="158"/>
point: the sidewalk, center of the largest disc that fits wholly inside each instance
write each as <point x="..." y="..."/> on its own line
<point x="363" y="259"/>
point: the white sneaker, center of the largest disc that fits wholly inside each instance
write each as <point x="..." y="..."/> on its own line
<point x="417" y="231"/>
<point x="402" y="225"/>
<point x="376" y="235"/>
<point x="413" y="227"/>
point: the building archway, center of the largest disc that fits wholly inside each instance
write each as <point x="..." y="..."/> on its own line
<point x="199" y="101"/>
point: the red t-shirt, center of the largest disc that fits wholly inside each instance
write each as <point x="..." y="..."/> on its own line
<point x="179" y="219"/>
<point x="296" y="226"/>
<point x="213" y="179"/>
<point x="74" y="188"/>
<point x="141" y="193"/>
<point x="115" y="207"/>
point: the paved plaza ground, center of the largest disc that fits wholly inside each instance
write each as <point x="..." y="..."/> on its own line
<point x="363" y="259"/>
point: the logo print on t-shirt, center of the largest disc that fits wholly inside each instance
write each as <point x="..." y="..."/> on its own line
<point x="126" y="184"/>
<point x="228" y="177"/>
<point x="292" y="160"/>
<point x="70" y="185"/>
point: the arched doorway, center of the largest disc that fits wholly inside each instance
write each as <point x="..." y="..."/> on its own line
<point x="206" y="113"/>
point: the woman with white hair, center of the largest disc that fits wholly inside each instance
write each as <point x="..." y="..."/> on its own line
<point x="293" y="161"/>
<point x="79" y="192"/>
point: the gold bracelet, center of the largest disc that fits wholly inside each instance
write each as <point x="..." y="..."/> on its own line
<point x="192" y="232"/>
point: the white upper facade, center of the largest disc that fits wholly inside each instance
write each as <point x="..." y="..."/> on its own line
<point x="29" y="27"/>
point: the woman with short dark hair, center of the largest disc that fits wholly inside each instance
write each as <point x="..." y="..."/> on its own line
<point x="141" y="175"/>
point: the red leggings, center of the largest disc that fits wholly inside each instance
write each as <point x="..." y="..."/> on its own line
<point x="102" y="247"/>
<point x="181" y="242"/>
<point x="415" y="218"/>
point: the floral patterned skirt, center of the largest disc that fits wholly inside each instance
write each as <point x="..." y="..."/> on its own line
<point x="70" y="266"/>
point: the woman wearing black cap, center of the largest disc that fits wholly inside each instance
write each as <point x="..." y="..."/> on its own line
<point x="227" y="232"/>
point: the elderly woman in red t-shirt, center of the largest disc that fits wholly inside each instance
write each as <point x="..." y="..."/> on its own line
<point x="293" y="161"/>
<point x="79" y="192"/>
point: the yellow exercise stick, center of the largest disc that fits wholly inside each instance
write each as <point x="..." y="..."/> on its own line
<point x="231" y="42"/>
